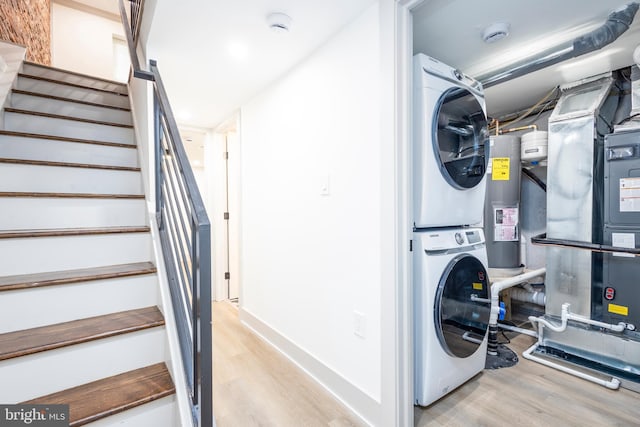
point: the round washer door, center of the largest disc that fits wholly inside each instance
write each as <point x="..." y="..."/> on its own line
<point x="460" y="138"/>
<point x="461" y="323"/>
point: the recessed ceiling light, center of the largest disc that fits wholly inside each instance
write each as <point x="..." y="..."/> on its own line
<point x="238" y="50"/>
<point x="495" y="32"/>
<point x="279" y="22"/>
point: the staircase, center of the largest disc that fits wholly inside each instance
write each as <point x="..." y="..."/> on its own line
<point x="79" y="294"/>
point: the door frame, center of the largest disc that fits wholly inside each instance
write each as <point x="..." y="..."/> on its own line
<point x="402" y="135"/>
<point x="403" y="292"/>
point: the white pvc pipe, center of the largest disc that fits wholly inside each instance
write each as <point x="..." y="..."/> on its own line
<point x="528" y="287"/>
<point x="532" y="296"/>
<point x="498" y="287"/>
<point x="616" y="328"/>
<point x="519" y="330"/>
<point x="544" y="322"/>
<point x="612" y="384"/>
<point x="467" y="337"/>
<point x="566" y="316"/>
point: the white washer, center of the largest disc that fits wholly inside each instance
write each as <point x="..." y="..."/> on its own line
<point x="451" y="146"/>
<point x="451" y="310"/>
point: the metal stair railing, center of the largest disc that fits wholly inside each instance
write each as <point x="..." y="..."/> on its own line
<point x="185" y="235"/>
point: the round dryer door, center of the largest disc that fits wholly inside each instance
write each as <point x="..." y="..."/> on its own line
<point x="461" y="138"/>
<point x="462" y="322"/>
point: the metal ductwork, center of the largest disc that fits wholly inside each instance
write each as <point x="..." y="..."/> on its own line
<point x="616" y="24"/>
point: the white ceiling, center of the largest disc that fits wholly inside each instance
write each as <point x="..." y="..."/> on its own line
<point x="205" y="83"/>
<point x="451" y="31"/>
<point x="190" y="39"/>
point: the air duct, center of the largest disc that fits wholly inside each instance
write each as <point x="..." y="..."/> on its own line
<point x="616" y="24"/>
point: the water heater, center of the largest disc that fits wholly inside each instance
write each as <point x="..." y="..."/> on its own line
<point x="502" y="205"/>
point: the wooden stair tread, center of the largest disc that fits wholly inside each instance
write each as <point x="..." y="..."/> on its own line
<point x="70" y="195"/>
<point x="61" y="82"/>
<point x="65" y="139"/>
<point x="43" y="338"/>
<point x="27" y="281"/>
<point x="69" y="165"/>
<point x="62" y="98"/>
<point x="61" y="117"/>
<point x="75" y="73"/>
<point x="60" y="232"/>
<point x="108" y="396"/>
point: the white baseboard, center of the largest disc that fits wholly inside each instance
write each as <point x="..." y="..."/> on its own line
<point x="362" y="405"/>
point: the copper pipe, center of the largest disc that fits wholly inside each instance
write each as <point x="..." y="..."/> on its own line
<point x="534" y="127"/>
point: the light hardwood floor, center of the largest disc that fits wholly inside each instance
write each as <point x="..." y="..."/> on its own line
<point x="531" y="395"/>
<point x="254" y="385"/>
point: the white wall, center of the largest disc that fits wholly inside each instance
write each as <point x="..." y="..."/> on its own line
<point x="11" y="57"/>
<point x="83" y="42"/>
<point x="141" y="98"/>
<point x="310" y="260"/>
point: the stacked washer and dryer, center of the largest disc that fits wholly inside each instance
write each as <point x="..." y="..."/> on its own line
<point x="451" y="284"/>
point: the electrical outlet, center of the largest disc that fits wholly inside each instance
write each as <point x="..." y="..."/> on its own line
<point x="359" y="324"/>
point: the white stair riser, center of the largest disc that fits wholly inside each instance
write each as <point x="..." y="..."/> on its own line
<point x="42" y="254"/>
<point x="72" y="109"/>
<point x="72" y="92"/>
<point x="31" y="308"/>
<point x="67" y="128"/>
<point x="54" y="370"/>
<point x="15" y="147"/>
<point x="159" y="413"/>
<point x="61" y="75"/>
<point x="23" y="213"/>
<point x="17" y="177"/>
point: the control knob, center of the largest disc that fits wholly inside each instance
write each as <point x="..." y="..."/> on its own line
<point x="459" y="238"/>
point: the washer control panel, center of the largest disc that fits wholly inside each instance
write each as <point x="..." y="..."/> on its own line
<point x="435" y="67"/>
<point x="446" y="238"/>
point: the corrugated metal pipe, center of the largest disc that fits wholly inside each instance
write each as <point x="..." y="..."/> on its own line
<point x="616" y="24"/>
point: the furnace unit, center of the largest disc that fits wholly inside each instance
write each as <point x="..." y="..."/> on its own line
<point x="620" y="295"/>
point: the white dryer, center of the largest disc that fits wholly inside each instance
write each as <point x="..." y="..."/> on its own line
<point x="451" y="146"/>
<point x="451" y="310"/>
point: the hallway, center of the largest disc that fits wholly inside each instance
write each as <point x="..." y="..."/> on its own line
<point x="254" y="385"/>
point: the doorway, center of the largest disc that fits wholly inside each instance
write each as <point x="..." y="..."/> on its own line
<point x="214" y="156"/>
<point x="223" y="165"/>
<point x="232" y="214"/>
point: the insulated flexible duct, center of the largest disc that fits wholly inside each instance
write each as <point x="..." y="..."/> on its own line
<point x="616" y="24"/>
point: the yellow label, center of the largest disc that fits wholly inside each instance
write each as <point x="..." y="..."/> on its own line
<point x="477" y="286"/>
<point x="619" y="309"/>
<point x="500" y="169"/>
